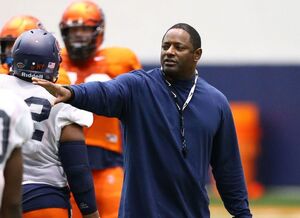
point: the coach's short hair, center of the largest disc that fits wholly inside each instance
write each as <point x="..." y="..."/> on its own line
<point x="194" y="35"/>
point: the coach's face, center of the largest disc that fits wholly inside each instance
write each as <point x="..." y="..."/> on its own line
<point x="178" y="57"/>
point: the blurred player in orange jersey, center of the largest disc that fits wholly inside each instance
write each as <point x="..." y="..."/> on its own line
<point x="82" y="28"/>
<point x="9" y="33"/>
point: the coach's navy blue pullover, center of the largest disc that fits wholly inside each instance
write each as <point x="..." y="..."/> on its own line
<point x="159" y="182"/>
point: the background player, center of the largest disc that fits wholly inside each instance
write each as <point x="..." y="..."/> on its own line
<point x="57" y="146"/>
<point x="16" y="127"/>
<point x="14" y="27"/>
<point x="82" y="28"/>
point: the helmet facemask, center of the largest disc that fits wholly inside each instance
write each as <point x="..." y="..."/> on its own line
<point x="82" y="41"/>
<point x="89" y="18"/>
<point x="6" y="53"/>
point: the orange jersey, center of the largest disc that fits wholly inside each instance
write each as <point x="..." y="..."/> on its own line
<point x="63" y="77"/>
<point x="105" y="65"/>
<point x="4" y="69"/>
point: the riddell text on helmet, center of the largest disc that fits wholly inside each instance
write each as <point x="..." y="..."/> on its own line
<point x="30" y="75"/>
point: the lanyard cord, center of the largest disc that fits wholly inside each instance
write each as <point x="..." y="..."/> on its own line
<point x="180" y="110"/>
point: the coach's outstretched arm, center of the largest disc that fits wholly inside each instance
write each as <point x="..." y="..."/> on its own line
<point x="62" y="93"/>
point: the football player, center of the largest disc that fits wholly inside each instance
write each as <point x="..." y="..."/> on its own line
<point x="82" y="28"/>
<point x="9" y="33"/>
<point x="55" y="159"/>
<point x="16" y="128"/>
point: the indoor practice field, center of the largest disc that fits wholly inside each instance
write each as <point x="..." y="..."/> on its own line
<point x="279" y="202"/>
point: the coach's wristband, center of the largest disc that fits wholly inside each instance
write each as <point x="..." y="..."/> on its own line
<point x="72" y="93"/>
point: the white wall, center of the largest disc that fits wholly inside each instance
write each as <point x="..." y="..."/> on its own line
<point x="232" y="31"/>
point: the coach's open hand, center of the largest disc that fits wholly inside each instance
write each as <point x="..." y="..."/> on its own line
<point x="61" y="93"/>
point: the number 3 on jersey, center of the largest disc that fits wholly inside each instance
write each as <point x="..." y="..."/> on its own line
<point x="40" y="109"/>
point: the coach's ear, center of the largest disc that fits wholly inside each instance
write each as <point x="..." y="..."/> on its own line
<point x="197" y="54"/>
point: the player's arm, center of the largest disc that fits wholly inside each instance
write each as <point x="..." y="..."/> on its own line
<point x="12" y="193"/>
<point x="73" y="155"/>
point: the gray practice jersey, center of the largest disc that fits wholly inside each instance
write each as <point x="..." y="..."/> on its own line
<point x="16" y="127"/>
<point x="41" y="162"/>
